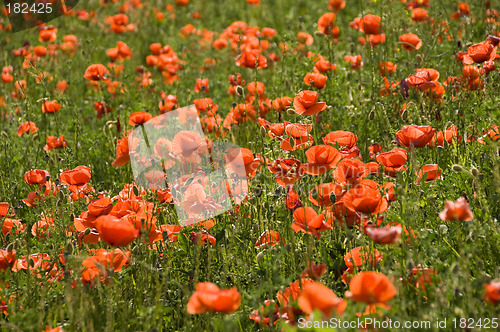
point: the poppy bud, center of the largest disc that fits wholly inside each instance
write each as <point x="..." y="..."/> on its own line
<point x="457" y="168"/>
<point x="260" y="257"/>
<point x="319" y="34"/>
<point x="263" y="131"/>
<point x="10" y="247"/>
<point x="68" y="249"/>
<point x="371" y="116"/>
<point x="135" y="190"/>
<point x="34" y="136"/>
<point x="87" y="231"/>
<point x="443" y="229"/>
<point x="290" y="111"/>
<point x="333" y="197"/>
<point x="5" y="135"/>
<point x="239" y="90"/>
<point x="474" y="171"/>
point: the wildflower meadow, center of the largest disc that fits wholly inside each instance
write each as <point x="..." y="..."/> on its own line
<point x="250" y="165"/>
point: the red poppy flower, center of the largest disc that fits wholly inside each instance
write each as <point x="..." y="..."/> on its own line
<point x="384" y="235"/>
<point x="315" y="79"/>
<point x="305" y="103"/>
<point x="315" y="296"/>
<point x="209" y="298"/>
<point x="492" y="292"/>
<point x="322" y="195"/>
<point x="36" y="176"/>
<point x="309" y="222"/>
<point x="116" y="232"/>
<point x="95" y="72"/>
<point x="78" y="176"/>
<point x="139" y="118"/>
<point x="410" y="42"/>
<point x="370" y="24"/>
<point x="55" y="143"/>
<point x="321" y="158"/>
<point x="365" y="198"/>
<point x="433" y="173"/>
<point x="416" y="136"/>
<point x="371" y="287"/>
<point x="268" y="239"/>
<point x="456" y="211"/>
<point x="288" y="171"/>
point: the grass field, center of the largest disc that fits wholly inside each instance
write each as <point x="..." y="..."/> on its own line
<point x="370" y="140"/>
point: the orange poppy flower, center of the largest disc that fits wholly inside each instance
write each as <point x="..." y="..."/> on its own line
<point x="315" y="296"/>
<point x="456" y="211"/>
<point x="384" y="235"/>
<point x="40" y="51"/>
<point x="250" y="163"/>
<point x="365" y="198"/>
<point x="185" y="143"/>
<point x="122" y="153"/>
<point x="371" y="287"/>
<point x="116" y="232"/>
<point x="433" y="173"/>
<point x="288" y="295"/>
<point x="263" y="315"/>
<point x="139" y="118"/>
<point x="201" y="85"/>
<point x="323" y="66"/>
<point x="102" y="108"/>
<point x="282" y="103"/>
<point x="393" y="160"/>
<point x="348" y="171"/>
<point x="416" y="136"/>
<point x="78" y="176"/>
<point x="492" y="292"/>
<point x="315" y="79"/>
<point x="410" y="42"/>
<point x="305" y="103"/>
<point x="292" y="199"/>
<point x="387" y="68"/>
<point x="419" y="15"/>
<point x="209" y="298"/>
<point x="344" y="139"/>
<point x="360" y="256"/>
<point x="298" y="135"/>
<point x="309" y="222"/>
<point x="449" y="135"/>
<point x="288" y="171"/>
<point x="50" y="106"/>
<point x="321" y="158"/>
<point x="355" y="61"/>
<point x="314" y="271"/>
<point x="40" y="229"/>
<point x="4" y="209"/>
<point x="480" y="52"/>
<point x="251" y="59"/>
<point x="12" y="226"/>
<point x="7" y="259"/>
<point x="370" y="24"/>
<point x="95" y="72"/>
<point x="47" y="34"/>
<point x="322" y="195"/>
<point x="268" y="239"/>
<point x="26" y="128"/>
<point x="305" y="38"/>
<point x="336" y="5"/>
<point x="36" y="176"/>
<point x="325" y="23"/>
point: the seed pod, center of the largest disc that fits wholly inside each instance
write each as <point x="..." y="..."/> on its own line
<point x="474" y="171"/>
<point x="457" y="168"/>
